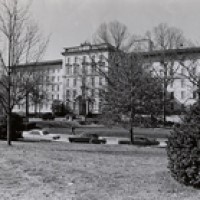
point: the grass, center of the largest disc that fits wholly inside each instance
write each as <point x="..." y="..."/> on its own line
<point x="64" y="127"/>
<point x="64" y="171"/>
<point x="115" y="131"/>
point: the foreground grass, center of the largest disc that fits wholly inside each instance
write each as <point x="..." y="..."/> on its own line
<point x="64" y="171"/>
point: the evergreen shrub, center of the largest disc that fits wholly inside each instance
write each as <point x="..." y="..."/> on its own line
<point x="183" y="149"/>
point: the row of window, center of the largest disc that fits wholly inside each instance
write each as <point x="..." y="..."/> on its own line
<point x="93" y="69"/>
<point x="53" y="88"/>
<point x="92" y="106"/>
<point x="183" y="95"/>
<point x="91" y="92"/>
<point x="91" y="58"/>
<point x="89" y="81"/>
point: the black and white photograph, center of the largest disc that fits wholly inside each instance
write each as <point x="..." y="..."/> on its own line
<point x="99" y="100"/>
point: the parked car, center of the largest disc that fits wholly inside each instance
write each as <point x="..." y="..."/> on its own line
<point x="142" y="141"/>
<point x="39" y="135"/>
<point x="87" y="138"/>
<point x="48" y="116"/>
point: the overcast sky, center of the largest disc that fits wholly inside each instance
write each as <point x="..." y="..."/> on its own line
<point x="71" y="22"/>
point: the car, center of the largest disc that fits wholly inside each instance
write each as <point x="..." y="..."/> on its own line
<point x="142" y="141"/>
<point x="48" y="116"/>
<point x="39" y="135"/>
<point x="87" y="138"/>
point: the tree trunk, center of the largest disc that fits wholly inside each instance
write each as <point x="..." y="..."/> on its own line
<point x="27" y="107"/>
<point x="132" y="135"/>
<point x="131" y="129"/>
<point x="9" y="127"/>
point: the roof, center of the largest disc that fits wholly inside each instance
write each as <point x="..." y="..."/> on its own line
<point x="42" y="63"/>
<point x="193" y="51"/>
<point x="86" y="47"/>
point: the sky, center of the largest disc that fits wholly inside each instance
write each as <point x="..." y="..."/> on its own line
<point x="72" y="22"/>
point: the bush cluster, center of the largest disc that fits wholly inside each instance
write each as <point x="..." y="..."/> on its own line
<point x="183" y="149"/>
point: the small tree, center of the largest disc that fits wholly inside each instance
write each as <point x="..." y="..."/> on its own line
<point x="59" y="108"/>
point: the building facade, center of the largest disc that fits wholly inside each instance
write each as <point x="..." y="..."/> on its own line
<point x="79" y="78"/>
<point x="179" y="69"/>
<point x="48" y="78"/>
<point x="84" y="71"/>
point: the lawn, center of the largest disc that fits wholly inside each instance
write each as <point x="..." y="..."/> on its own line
<point x="64" y="171"/>
<point x="64" y="127"/>
<point x="116" y="131"/>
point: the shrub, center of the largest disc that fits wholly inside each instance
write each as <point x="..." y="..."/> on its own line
<point x="16" y="127"/>
<point x="183" y="149"/>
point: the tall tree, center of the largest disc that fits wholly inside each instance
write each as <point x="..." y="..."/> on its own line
<point x="116" y="34"/>
<point x="130" y="89"/>
<point x="22" y="42"/>
<point x="165" y="39"/>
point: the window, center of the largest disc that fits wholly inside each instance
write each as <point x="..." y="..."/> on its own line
<point x="74" y="105"/>
<point x="100" y="80"/>
<point x="58" y="96"/>
<point x="75" y="59"/>
<point x="182" y="107"/>
<point x="101" y="58"/>
<point x="47" y="78"/>
<point x="171" y="71"/>
<point x="53" y="78"/>
<point x="74" y="94"/>
<point x="84" y="59"/>
<point x="182" y="83"/>
<point x="67" y="83"/>
<point x="194" y="70"/>
<point x="70" y="70"/>
<point x="74" y="82"/>
<point x="172" y="95"/>
<point x="182" y="94"/>
<point x="75" y="70"/>
<point x="68" y="60"/>
<point x="171" y="83"/>
<point x="93" y="58"/>
<point x="100" y="106"/>
<point x="67" y="93"/>
<point x="67" y="70"/>
<point x="93" y="69"/>
<point x="52" y="87"/>
<point x="183" y="71"/>
<point x="58" y="78"/>
<point x="92" y="92"/>
<point x="92" y="81"/>
<point x="172" y="106"/>
<point x="194" y="94"/>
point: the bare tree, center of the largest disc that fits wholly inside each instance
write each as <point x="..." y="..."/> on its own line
<point x="22" y="43"/>
<point x="130" y="89"/>
<point x="167" y="40"/>
<point x="116" y="34"/>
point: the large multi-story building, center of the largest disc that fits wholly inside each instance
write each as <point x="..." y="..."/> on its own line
<point x="48" y="78"/>
<point x="78" y="79"/>
<point x="84" y="72"/>
<point x="179" y="69"/>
